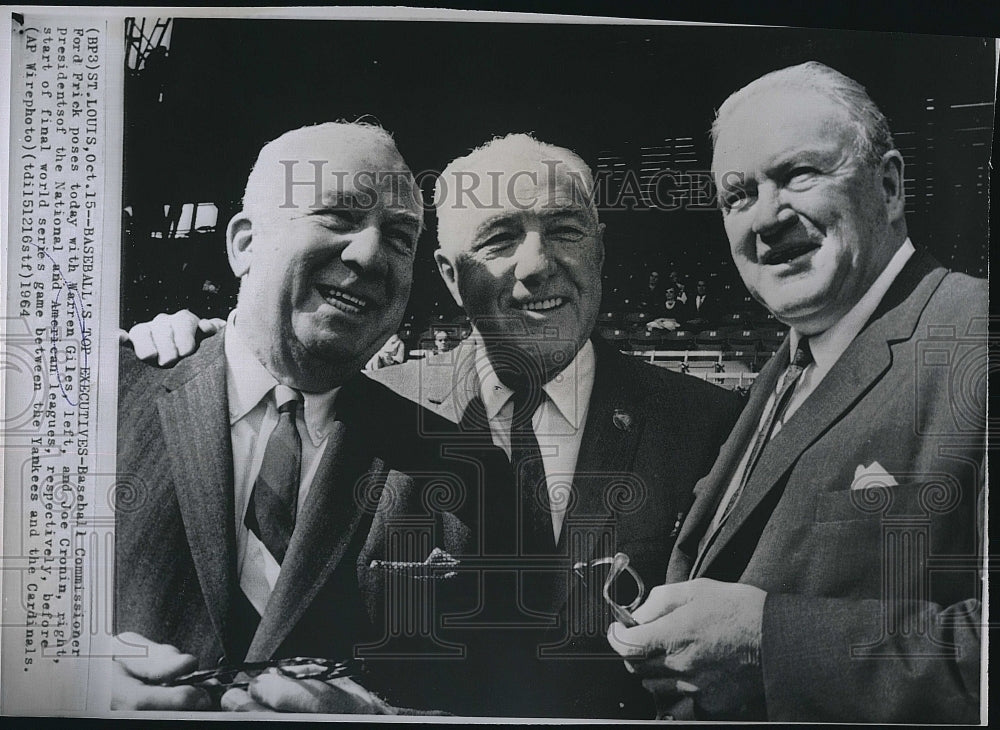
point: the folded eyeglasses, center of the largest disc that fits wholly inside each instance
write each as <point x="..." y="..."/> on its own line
<point x="619" y="565"/>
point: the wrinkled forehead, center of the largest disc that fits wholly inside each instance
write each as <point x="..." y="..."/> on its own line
<point x="772" y="122"/>
<point x="495" y="187"/>
<point x="320" y="171"/>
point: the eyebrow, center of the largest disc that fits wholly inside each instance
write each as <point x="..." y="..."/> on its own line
<point x="499" y="221"/>
<point x="341" y="201"/>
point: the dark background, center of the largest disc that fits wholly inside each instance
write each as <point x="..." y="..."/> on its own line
<point x="197" y="115"/>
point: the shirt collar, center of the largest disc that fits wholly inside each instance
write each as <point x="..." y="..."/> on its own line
<point x="828" y="346"/>
<point x="569" y="390"/>
<point x="248" y="382"/>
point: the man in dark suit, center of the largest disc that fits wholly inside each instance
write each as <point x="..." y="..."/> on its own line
<point x="615" y="472"/>
<point x="704" y="310"/>
<point x="266" y="473"/>
<point x="829" y="568"/>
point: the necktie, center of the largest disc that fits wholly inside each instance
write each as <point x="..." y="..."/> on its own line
<point x="271" y="512"/>
<point x="529" y="473"/>
<point x="800" y="361"/>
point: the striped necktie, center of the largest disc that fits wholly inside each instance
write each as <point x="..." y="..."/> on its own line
<point x="800" y="361"/>
<point x="271" y="512"/>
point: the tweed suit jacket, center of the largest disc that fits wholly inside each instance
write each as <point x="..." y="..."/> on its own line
<point x="381" y="491"/>
<point x="872" y="480"/>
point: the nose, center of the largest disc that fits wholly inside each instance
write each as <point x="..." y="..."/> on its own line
<point x="770" y="213"/>
<point x="532" y="259"/>
<point x="364" y="250"/>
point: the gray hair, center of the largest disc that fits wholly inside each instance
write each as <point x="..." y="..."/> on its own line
<point x="873" y="138"/>
<point x="514" y="147"/>
<point x="261" y="181"/>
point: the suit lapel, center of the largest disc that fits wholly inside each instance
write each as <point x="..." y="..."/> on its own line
<point x="616" y="416"/>
<point x="450" y="391"/>
<point x="328" y="522"/>
<point x="862" y="364"/>
<point x="194" y="415"/>
<point x="709" y="491"/>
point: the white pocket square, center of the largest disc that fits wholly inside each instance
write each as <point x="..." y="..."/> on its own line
<point x="873" y="475"/>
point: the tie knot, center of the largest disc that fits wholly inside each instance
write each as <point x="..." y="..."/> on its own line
<point x="287" y="399"/>
<point x="526" y="401"/>
<point x="803" y="356"/>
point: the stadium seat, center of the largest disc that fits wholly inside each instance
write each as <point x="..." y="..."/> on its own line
<point x="743" y="340"/>
<point x="710" y="340"/>
<point x="679" y="340"/>
<point x="609" y="319"/>
<point x="634" y="318"/>
<point x="644" y="340"/>
<point x="616" y="335"/>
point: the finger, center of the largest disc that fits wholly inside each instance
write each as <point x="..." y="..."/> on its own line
<point x="211" y="326"/>
<point x="183" y="326"/>
<point x="163" y="339"/>
<point x="162" y="662"/>
<point x="310" y="695"/>
<point x="142" y="341"/>
<point x="239" y="700"/>
<point x="122" y="336"/>
<point x="662" y="600"/>
<point x="130" y="693"/>
<point x="669" y="686"/>
<point x="662" y="636"/>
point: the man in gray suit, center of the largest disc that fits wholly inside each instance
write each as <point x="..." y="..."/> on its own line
<point x="803" y="585"/>
<point x="264" y="473"/>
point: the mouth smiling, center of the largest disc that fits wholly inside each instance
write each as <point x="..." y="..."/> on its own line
<point x="541" y="305"/>
<point x="342" y="300"/>
<point x="787" y="253"/>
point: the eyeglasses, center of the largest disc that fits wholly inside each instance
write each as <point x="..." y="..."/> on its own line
<point x="619" y="564"/>
<point x="237" y="676"/>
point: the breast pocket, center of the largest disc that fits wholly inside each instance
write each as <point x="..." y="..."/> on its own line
<point x="930" y="495"/>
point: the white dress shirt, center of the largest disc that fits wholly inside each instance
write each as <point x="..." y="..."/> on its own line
<point x="558" y="423"/>
<point x="252" y="417"/>
<point x="826" y="348"/>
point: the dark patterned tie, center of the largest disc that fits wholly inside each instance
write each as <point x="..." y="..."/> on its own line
<point x="271" y="512"/>
<point x="800" y="361"/>
<point x="529" y="473"/>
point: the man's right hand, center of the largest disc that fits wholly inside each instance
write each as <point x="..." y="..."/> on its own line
<point x="169" y="337"/>
<point x="136" y="679"/>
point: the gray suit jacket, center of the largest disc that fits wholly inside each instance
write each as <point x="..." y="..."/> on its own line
<point x="650" y="435"/>
<point x="873" y="594"/>
<point x="378" y="487"/>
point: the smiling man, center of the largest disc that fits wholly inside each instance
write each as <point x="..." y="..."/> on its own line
<point x="264" y="471"/>
<point x="799" y="588"/>
<point x="590" y="432"/>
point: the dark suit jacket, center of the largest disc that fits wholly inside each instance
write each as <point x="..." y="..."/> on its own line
<point x="860" y="624"/>
<point x="710" y="311"/>
<point x="633" y="481"/>
<point x="381" y="490"/>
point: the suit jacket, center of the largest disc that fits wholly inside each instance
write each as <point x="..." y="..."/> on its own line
<point x="633" y="482"/>
<point x="381" y="491"/>
<point x="860" y="623"/>
<point x="710" y="309"/>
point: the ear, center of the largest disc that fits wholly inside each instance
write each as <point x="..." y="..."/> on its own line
<point x="600" y="244"/>
<point x="446" y="267"/>
<point x="891" y="171"/>
<point x="239" y="237"/>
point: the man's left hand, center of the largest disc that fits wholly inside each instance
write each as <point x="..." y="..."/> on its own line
<point x="273" y="691"/>
<point x="698" y="639"/>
